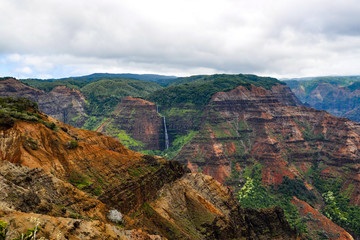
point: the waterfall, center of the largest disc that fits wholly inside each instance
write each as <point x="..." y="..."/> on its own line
<point x="166" y="135"/>
<point x="157" y="108"/>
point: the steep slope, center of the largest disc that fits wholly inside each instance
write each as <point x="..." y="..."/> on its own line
<point x="52" y="153"/>
<point x="339" y="96"/>
<point x="65" y="104"/>
<point x="136" y="123"/>
<point x="318" y="225"/>
<point x="198" y="207"/>
<point x="246" y="127"/>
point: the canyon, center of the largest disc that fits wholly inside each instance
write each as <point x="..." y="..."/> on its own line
<point x="68" y="179"/>
<point x="237" y="131"/>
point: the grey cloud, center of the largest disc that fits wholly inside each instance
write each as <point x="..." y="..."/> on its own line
<point x="264" y="37"/>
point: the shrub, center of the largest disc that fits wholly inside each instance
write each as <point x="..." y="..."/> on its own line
<point x="3" y="229"/>
<point x="72" y="144"/>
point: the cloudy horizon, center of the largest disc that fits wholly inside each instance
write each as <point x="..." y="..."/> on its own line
<point x="284" y="39"/>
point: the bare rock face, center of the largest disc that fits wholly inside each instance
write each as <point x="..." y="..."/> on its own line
<point x="34" y="190"/>
<point x="65" y="104"/>
<point x="244" y="126"/>
<point x="138" y="119"/>
<point x="199" y="207"/>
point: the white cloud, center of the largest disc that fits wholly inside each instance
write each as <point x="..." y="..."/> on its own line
<point x="279" y="38"/>
<point x="24" y="70"/>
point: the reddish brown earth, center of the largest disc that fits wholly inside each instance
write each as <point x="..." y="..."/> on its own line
<point x="38" y="162"/>
<point x="318" y="224"/>
<point x="65" y="104"/>
<point x="270" y="127"/>
<point x="139" y="119"/>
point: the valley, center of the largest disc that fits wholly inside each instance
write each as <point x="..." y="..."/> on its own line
<point x="240" y="146"/>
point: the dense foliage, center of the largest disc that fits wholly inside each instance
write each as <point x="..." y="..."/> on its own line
<point x="255" y="195"/>
<point x="104" y="95"/>
<point x="12" y="109"/>
<point x="79" y="82"/>
<point x="198" y="90"/>
<point x="338" y="207"/>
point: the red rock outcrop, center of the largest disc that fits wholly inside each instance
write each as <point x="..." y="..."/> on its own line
<point x="268" y="126"/>
<point x="101" y="167"/>
<point x="197" y="205"/>
<point x="138" y="119"/>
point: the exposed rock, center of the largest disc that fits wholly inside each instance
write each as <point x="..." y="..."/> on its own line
<point x="123" y="180"/>
<point x="65" y="104"/>
<point x="339" y="97"/>
<point x="139" y="119"/>
<point x="198" y="207"/>
<point x="34" y="190"/>
<point x="67" y="228"/>
<point x="244" y="125"/>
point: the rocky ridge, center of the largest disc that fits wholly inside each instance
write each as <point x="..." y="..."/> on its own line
<point x="65" y="104"/>
<point x="245" y="124"/>
<point x="38" y="162"/>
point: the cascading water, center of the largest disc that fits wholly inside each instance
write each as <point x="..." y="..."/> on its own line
<point x="166" y="135"/>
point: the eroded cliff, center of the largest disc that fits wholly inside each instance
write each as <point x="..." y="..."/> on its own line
<point x="137" y="124"/>
<point x="39" y="155"/>
<point x="65" y="104"/>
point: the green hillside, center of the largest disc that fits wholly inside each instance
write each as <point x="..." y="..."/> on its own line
<point x="198" y="90"/>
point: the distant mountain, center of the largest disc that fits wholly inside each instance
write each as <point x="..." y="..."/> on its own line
<point x="339" y="96"/>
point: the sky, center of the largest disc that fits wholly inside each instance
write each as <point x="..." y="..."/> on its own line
<point x="278" y="38"/>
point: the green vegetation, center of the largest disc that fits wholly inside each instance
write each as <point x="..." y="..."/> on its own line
<point x="30" y="143"/>
<point x="128" y="141"/>
<point x="178" y="144"/>
<point x="338" y="207"/>
<point x="3" y="229"/>
<point x="72" y="144"/>
<point x="48" y="85"/>
<point x="102" y="91"/>
<point x="93" y="123"/>
<point x="79" y="180"/>
<point x="198" y="90"/>
<point x="104" y="95"/>
<point x="337" y="95"/>
<point x="13" y="109"/>
<point x="255" y="195"/>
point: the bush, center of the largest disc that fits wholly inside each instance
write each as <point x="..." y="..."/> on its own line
<point x="3" y="229"/>
<point x="72" y="144"/>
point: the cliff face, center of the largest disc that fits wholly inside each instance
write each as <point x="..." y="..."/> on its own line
<point x="66" y="105"/>
<point x="338" y="97"/>
<point x="198" y="207"/>
<point x="105" y="175"/>
<point x="246" y="125"/>
<point x="136" y="123"/>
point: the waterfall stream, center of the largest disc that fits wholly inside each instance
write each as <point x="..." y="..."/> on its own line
<point x="166" y="135"/>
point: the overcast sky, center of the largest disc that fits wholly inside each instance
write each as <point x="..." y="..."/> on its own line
<point x="279" y="38"/>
